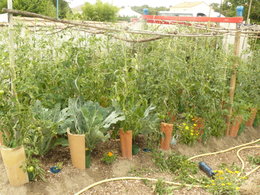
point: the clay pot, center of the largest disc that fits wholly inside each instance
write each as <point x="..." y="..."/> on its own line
<point x="126" y="143"/>
<point x="172" y="117"/>
<point x="167" y="129"/>
<point x="1" y="139"/>
<point x="235" y="125"/>
<point x="77" y="149"/>
<point x="14" y="160"/>
<point x="250" y="121"/>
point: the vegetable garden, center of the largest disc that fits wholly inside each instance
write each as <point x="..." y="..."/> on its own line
<point x="71" y="86"/>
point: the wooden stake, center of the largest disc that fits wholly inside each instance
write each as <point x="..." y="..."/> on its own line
<point x="233" y="79"/>
<point x="248" y="13"/>
<point x="11" y="48"/>
<point x="108" y="29"/>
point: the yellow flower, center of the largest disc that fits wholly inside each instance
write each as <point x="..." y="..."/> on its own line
<point x="221" y="178"/>
<point x="195" y="125"/>
<point x="229" y="171"/>
<point x="213" y="184"/>
<point x="212" y="181"/>
<point x="229" y="184"/>
<point x="187" y="128"/>
<point x="192" y="134"/>
<point x="237" y="172"/>
<point x="237" y="188"/>
<point x="220" y="172"/>
<point x="223" y="184"/>
<point x="184" y="124"/>
<point x="110" y="154"/>
<point x="244" y="177"/>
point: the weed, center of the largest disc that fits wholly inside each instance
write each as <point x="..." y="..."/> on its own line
<point x="254" y="160"/>
<point x="177" y="164"/>
<point x="161" y="188"/>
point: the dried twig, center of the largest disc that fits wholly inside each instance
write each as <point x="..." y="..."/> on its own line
<point x="106" y="28"/>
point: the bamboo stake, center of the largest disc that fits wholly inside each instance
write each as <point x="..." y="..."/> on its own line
<point x="233" y="79"/>
<point x="104" y="28"/>
<point x="249" y="11"/>
<point x="11" y="49"/>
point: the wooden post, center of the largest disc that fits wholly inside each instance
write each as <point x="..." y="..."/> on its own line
<point x="233" y="78"/>
<point x="11" y="49"/>
<point x="248" y="13"/>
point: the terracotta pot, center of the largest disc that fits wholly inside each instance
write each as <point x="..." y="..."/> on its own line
<point x="126" y="143"/>
<point x="1" y="139"/>
<point x="167" y="129"/>
<point x="172" y="117"/>
<point x="250" y="121"/>
<point x="14" y="160"/>
<point x="235" y="125"/>
<point x="77" y="150"/>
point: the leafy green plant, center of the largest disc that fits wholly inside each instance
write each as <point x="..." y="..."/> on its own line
<point x="91" y="119"/>
<point x="109" y="158"/>
<point x="45" y="7"/>
<point x="254" y="160"/>
<point x="188" y="133"/>
<point x="182" y="75"/>
<point x="139" y="117"/>
<point x="99" y="11"/>
<point x="14" y="127"/>
<point x="161" y="188"/>
<point x="175" y="163"/>
<point x="46" y="126"/>
<point x="34" y="169"/>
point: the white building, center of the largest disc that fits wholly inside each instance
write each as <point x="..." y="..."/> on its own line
<point x="199" y="8"/>
<point x="3" y="17"/>
<point x="128" y="12"/>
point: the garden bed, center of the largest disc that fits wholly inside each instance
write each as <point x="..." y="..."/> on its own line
<point x="75" y="101"/>
<point x="70" y="180"/>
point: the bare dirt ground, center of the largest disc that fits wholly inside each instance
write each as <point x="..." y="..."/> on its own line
<point x="70" y="180"/>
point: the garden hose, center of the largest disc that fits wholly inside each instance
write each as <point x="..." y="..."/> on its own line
<point x="223" y="151"/>
<point x="180" y="184"/>
<point x="249" y="173"/>
<point x="133" y="178"/>
<point x="239" y="157"/>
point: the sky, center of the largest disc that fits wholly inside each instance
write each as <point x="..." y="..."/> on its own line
<point x="152" y="3"/>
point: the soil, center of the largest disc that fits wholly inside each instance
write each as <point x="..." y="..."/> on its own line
<point x="71" y="180"/>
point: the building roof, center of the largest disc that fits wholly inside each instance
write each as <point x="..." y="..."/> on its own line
<point x="187" y="4"/>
